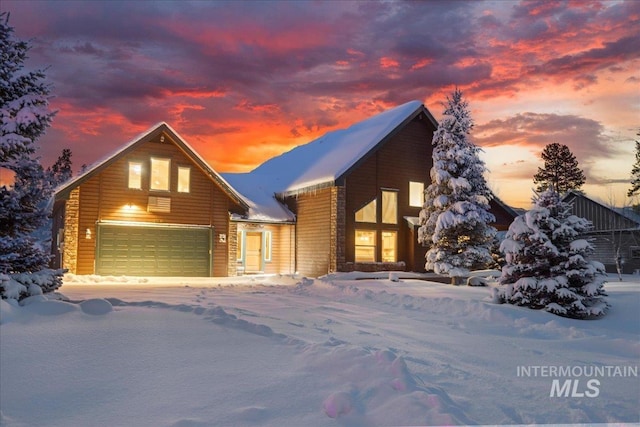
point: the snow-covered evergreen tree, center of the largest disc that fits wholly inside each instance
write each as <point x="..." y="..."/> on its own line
<point x="547" y="262"/>
<point x="455" y="216"/>
<point x="24" y="117"/>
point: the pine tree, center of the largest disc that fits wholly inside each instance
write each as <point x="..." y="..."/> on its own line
<point x="60" y="171"/>
<point x="635" y="173"/>
<point x="547" y="266"/>
<point x="560" y="171"/>
<point x="455" y="216"/>
<point x="24" y="117"/>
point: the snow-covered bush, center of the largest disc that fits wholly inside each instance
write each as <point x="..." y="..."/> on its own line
<point x="455" y="216"/>
<point x="547" y="262"/>
<point x="21" y="285"/>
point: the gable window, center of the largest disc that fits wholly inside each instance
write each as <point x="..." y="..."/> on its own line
<point x="135" y="175"/>
<point x="365" y="246"/>
<point x="389" y="207"/>
<point x="160" y="174"/>
<point x="416" y="194"/>
<point x="184" y="179"/>
<point x="367" y="213"/>
<point x="389" y="244"/>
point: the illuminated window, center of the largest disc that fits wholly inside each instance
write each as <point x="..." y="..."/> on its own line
<point x="389" y="243"/>
<point x="160" y="174"/>
<point x="416" y="194"/>
<point x="135" y="175"/>
<point x="365" y="246"/>
<point x="267" y="246"/>
<point x="367" y="213"/>
<point x="239" y="250"/>
<point x="389" y="207"/>
<point x="184" y="179"/>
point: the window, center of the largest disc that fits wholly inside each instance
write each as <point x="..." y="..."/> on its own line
<point x="389" y="243"/>
<point x="160" y="174"/>
<point x="367" y="213"/>
<point x="416" y="194"/>
<point x="267" y="246"/>
<point x="135" y="175"/>
<point x="365" y="246"/>
<point x="184" y="179"/>
<point x="634" y="251"/>
<point x="389" y="207"/>
<point x="239" y="249"/>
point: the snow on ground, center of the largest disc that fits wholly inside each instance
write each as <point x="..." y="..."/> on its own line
<point x="293" y="351"/>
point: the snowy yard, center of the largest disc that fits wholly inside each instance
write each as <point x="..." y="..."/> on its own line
<point x="294" y="351"/>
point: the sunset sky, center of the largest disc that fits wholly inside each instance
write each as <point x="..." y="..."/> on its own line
<point x="244" y="81"/>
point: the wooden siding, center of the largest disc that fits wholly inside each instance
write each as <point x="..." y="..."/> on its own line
<point x="602" y="217"/>
<point x="313" y="232"/>
<point x="106" y="197"/>
<point x="405" y="157"/>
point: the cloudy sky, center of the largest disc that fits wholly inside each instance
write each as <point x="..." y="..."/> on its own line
<point x="244" y="81"/>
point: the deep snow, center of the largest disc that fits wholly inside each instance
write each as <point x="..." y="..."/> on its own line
<point x="297" y="351"/>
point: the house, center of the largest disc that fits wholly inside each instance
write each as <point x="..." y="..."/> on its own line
<point x="615" y="233"/>
<point x="348" y="200"/>
<point x="356" y="193"/>
<point x="153" y="208"/>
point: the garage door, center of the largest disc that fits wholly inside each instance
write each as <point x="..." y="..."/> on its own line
<point x="153" y="251"/>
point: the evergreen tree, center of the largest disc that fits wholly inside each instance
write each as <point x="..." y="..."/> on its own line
<point x="24" y="117"/>
<point x="560" y="171"/>
<point x="547" y="266"/>
<point x="635" y="173"/>
<point x="455" y="216"/>
<point x="60" y="171"/>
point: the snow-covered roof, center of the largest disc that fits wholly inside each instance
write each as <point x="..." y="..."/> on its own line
<point x="321" y="162"/>
<point x="64" y="189"/>
<point x="259" y="196"/>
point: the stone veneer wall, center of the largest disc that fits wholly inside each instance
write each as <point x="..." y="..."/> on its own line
<point x="338" y="226"/>
<point x="232" y="243"/>
<point x="71" y="224"/>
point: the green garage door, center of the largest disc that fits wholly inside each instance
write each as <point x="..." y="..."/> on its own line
<point x="153" y="251"/>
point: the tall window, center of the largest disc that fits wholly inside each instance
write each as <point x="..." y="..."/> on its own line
<point x="389" y="207"/>
<point x="365" y="246"/>
<point x="135" y="175"/>
<point x="389" y="244"/>
<point x="267" y="246"/>
<point x="160" y="174"/>
<point x="367" y="213"/>
<point x="239" y="247"/>
<point x="184" y="179"/>
<point x="416" y="194"/>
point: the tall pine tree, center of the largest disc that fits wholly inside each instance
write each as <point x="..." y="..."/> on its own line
<point x="60" y="171"/>
<point x="455" y="216"/>
<point x="635" y="173"/>
<point x="24" y="117"/>
<point x="560" y="171"/>
<point x="547" y="262"/>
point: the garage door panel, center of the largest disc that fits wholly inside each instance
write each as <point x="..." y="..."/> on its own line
<point x="153" y="251"/>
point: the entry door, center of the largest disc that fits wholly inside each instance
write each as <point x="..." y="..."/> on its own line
<point x="253" y="253"/>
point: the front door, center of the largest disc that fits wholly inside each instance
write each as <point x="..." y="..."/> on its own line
<point x="253" y="253"/>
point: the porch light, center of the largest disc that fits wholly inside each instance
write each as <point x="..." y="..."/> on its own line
<point x="87" y="234"/>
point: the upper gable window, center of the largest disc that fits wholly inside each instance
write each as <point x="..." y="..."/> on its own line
<point x="160" y="174"/>
<point x="367" y="213"/>
<point x="389" y="207"/>
<point x="416" y="194"/>
<point x="184" y="179"/>
<point x="135" y="175"/>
